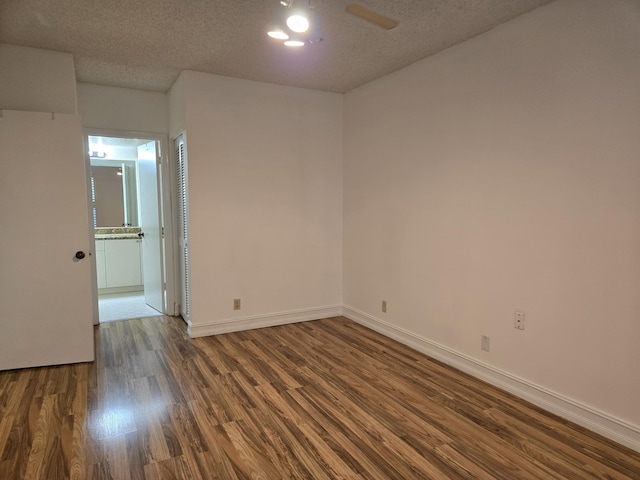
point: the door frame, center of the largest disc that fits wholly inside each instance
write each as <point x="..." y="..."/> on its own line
<point x="168" y="213"/>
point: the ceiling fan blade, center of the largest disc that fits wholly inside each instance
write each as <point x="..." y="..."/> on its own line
<point x="371" y="16"/>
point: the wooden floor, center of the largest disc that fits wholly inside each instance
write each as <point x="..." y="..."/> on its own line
<point x="317" y="400"/>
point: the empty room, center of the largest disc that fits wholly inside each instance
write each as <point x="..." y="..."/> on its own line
<point x="364" y="240"/>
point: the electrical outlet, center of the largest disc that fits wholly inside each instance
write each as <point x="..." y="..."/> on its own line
<point x="485" y="343"/>
<point x="384" y="306"/>
<point x="519" y="321"/>
<point x="236" y="304"/>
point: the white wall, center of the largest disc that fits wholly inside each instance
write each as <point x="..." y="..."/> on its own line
<point x="176" y="108"/>
<point x="501" y="175"/>
<point x="115" y="108"/>
<point x="37" y="80"/>
<point x="265" y="192"/>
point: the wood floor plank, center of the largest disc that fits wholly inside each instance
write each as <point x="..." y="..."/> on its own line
<point x="258" y="421"/>
<point x="374" y="439"/>
<point x="44" y="454"/>
<point x="363" y="455"/>
<point x="461" y="463"/>
<point x="214" y="461"/>
<point x="149" y="418"/>
<point x="316" y="400"/>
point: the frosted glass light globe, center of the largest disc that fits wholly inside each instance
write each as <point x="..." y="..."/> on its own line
<point x="298" y="23"/>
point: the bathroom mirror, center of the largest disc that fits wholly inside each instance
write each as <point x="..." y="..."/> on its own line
<point x="114" y="193"/>
<point x="117" y="165"/>
<point x="114" y="183"/>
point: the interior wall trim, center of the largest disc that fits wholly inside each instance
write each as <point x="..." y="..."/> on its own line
<point x="261" y="321"/>
<point x="597" y="421"/>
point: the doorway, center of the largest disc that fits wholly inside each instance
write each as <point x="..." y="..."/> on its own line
<point x="125" y="184"/>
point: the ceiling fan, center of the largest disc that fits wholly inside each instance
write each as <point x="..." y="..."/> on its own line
<point x="297" y="26"/>
<point x="371" y="16"/>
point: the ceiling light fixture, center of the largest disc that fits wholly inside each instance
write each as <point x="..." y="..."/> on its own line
<point x="278" y="34"/>
<point x="298" y="21"/>
<point x="275" y="28"/>
<point x="297" y="25"/>
<point x="294" y="43"/>
<point x="315" y="34"/>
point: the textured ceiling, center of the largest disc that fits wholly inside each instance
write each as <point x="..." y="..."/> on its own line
<point x="146" y="43"/>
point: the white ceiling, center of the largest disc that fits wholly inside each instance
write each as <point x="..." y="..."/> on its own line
<point x="146" y="43"/>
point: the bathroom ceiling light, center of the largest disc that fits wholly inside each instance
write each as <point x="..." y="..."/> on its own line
<point x="97" y="154"/>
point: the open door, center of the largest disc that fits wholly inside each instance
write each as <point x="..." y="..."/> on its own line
<point x="45" y="278"/>
<point x="151" y="223"/>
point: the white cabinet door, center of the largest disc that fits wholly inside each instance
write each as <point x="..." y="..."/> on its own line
<point x="101" y="266"/>
<point x="123" y="263"/>
<point x="45" y="290"/>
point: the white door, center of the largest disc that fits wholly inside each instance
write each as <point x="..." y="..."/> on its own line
<point x="45" y="290"/>
<point x="150" y="221"/>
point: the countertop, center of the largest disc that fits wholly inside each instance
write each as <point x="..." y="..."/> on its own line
<point x="117" y="233"/>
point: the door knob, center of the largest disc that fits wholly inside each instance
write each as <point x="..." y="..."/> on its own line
<point x="80" y="255"/>
<point x="141" y="234"/>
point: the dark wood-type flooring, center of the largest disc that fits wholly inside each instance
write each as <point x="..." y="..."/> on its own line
<point x="316" y="400"/>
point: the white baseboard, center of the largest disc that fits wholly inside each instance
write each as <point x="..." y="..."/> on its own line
<point x="129" y="289"/>
<point x="261" y="321"/>
<point x="596" y="421"/>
